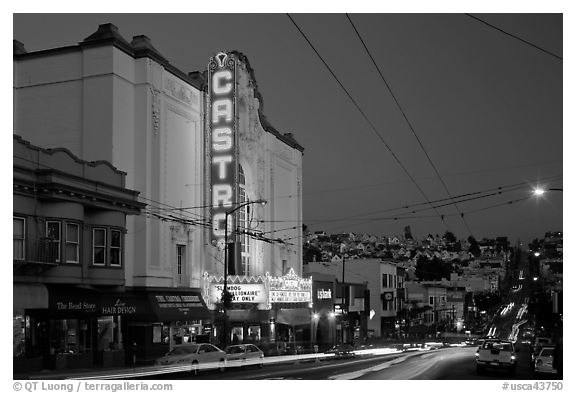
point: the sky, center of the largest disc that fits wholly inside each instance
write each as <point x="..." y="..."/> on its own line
<point x="454" y="109"/>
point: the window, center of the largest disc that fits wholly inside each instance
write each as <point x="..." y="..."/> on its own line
<point x="180" y="255"/>
<point x="431" y="300"/>
<point x="54" y="234"/>
<point x="99" y="246"/>
<point x="384" y="280"/>
<point x="72" y="242"/>
<point x="243" y="224"/>
<point x="115" y="247"/>
<point x="19" y="234"/>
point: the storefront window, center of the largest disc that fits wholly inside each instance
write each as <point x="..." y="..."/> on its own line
<point x="19" y="338"/>
<point x="71" y="336"/>
<point x="186" y="333"/>
<point x="37" y="341"/>
<point x="254" y="333"/>
<point x="157" y="333"/>
<point x="237" y="335"/>
<point x="105" y="333"/>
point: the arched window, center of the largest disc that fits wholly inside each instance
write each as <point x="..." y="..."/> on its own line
<point x="243" y="225"/>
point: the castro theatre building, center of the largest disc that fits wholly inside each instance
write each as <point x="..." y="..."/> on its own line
<point x="200" y="152"/>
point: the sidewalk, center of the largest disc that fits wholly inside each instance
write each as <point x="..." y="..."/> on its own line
<point x="91" y="373"/>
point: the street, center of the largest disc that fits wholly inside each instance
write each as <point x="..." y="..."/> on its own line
<point x="454" y="363"/>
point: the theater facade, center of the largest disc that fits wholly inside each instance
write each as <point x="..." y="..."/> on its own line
<point x="211" y="169"/>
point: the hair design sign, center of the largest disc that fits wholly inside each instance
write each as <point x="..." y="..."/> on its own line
<point x="222" y="129"/>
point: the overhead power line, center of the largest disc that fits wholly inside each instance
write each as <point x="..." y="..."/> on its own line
<point x="514" y="36"/>
<point x="399" y="218"/>
<point x="187" y="218"/>
<point x="408" y="122"/>
<point x="372" y="126"/>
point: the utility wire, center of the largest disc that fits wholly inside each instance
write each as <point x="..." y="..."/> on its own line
<point x="408" y="121"/>
<point x="204" y="222"/>
<point x="514" y="36"/>
<point x="372" y="126"/>
<point x="495" y="191"/>
<point x="186" y="220"/>
<point x="430" y="216"/>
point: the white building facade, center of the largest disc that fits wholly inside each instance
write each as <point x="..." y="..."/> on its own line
<point x="110" y="99"/>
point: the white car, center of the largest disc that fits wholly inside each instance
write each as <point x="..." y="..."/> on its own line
<point x="244" y="355"/>
<point x="543" y="361"/>
<point x="496" y="354"/>
<point x="194" y="357"/>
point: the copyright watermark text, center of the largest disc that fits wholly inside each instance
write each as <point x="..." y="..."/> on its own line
<point x="533" y="386"/>
<point x="85" y="386"/>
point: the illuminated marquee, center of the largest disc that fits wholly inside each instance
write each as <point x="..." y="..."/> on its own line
<point x="223" y="141"/>
<point x="243" y="293"/>
<point x="290" y="289"/>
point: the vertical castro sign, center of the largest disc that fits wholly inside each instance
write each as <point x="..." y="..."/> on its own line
<point x="223" y="142"/>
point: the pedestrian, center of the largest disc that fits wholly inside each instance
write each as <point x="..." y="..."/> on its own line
<point x="235" y="339"/>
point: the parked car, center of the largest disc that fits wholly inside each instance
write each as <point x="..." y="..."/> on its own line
<point x="244" y="355"/>
<point x="496" y="354"/>
<point x="535" y="349"/>
<point x="342" y="351"/>
<point x="195" y="356"/>
<point x="543" y="361"/>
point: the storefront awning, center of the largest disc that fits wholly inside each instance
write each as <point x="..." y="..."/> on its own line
<point x="29" y="296"/>
<point x="61" y="301"/>
<point x="293" y="317"/>
<point x="156" y="306"/>
<point x="69" y="301"/>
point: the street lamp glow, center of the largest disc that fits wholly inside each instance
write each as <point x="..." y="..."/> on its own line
<point x="538" y="191"/>
<point x="315" y="316"/>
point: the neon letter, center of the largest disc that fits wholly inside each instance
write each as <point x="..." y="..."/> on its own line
<point x="221" y="161"/>
<point x="218" y="88"/>
<point x="218" y="112"/>
<point x="222" y="139"/>
<point x="221" y="195"/>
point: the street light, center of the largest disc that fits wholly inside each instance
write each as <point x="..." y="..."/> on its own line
<point x="541" y="191"/>
<point x="226" y="297"/>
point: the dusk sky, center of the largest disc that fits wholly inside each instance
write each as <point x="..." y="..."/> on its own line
<point x="478" y="109"/>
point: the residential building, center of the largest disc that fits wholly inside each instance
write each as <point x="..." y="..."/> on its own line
<point x="69" y="229"/>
